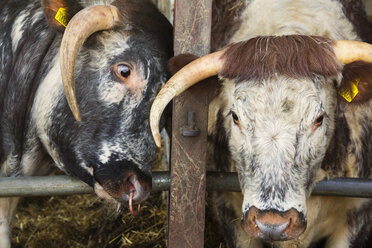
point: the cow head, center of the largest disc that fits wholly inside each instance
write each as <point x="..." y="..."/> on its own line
<point x="277" y="111"/>
<point x="113" y="62"/>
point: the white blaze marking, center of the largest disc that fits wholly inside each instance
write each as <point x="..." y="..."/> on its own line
<point x="47" y="96"/>
<point x="37" y="16"/>
<point x="17" y="31"/>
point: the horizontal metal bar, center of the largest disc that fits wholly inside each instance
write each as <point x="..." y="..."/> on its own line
<point x="42" y="186"/>
<point x="350" y="187"/>
<point x="353" y="187"/>
<point x="217" y="181"/>
<point x="61" y="185"/>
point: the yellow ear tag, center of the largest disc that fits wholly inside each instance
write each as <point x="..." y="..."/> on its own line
<point x="350" y="93"/>
<point x="62" y="16"/>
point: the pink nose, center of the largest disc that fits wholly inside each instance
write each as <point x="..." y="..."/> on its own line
<point x="273" y="225"/>
<point x="140" y="189"/>
<point x="131" y="187"/>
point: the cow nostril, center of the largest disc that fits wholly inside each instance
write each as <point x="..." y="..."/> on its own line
<point x="273" y="225"/>
<point x="272" y="231"/>
<point x="135" y="189"/>
<point x="131" y="180"/>
<point x="290" y="223"/>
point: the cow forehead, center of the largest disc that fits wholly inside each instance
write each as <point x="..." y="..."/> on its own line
<point x="281" y="96"/>
<point x="112" y="44"/>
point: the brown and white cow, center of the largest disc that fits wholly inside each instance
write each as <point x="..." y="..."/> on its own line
<point x="294" y="108"/>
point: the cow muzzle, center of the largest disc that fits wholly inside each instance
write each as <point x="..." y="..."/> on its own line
<point x="273" y="225"/>
<point x="131" y="188"/>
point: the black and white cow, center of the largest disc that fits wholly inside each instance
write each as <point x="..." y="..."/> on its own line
<point x="294" y="108"/>
<point x="116" y="52"/>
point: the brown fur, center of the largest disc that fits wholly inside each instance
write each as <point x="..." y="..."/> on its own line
<point x="294" y="56"/>
<point x="362" y="71"/>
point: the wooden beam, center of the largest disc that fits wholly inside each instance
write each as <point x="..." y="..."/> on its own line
<point x="192" y="29"/>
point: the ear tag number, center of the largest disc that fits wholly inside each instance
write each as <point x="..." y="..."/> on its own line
<point x="350" y="93"/>
<point x="62" y="16"/>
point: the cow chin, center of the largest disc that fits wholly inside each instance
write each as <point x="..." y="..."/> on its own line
<point x="273" y="225"/>
<point x="100" y="192"/>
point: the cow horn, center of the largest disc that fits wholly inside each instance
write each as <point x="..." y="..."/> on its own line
<point x="81" y="26"/>
<point x="348" y="51"/>
<point x="199" y="69"/>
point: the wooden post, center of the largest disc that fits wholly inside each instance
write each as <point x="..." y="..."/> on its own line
<point x="192" y="29"/>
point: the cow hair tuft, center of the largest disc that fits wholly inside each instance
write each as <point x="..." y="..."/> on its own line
<point x="294" y="56"/>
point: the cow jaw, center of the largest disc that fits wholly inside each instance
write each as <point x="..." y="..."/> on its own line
<point x="100" y="192"/>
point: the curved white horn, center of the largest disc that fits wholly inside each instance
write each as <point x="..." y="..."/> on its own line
<point x="199" y="69"/>
<point x="348" y="51"/>
<point x="82" y="25"/>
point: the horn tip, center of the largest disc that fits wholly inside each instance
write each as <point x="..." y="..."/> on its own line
<point x="157" y="139"/>
<point x="77" y="116"/>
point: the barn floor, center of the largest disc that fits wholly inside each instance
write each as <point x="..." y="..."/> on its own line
<point x="86" y="221"/>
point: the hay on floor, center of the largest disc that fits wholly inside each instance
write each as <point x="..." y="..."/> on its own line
<point x="86" y="221"/>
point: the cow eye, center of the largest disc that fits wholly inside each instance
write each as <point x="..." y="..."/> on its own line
<point x="319" y="121"/>
<point x="122" y="71"/>
<point x="235" y="118"/>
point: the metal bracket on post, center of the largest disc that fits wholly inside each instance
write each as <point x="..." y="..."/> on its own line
<point x="190" y="130"/>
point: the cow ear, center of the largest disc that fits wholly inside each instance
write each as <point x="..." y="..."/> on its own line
<point x="356" y="85"/>
<point x="59" y="12"/>
<point x="177" y="62"/>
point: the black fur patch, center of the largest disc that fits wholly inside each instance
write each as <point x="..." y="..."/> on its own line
<point x="225" y="215"/>
<point x="356" y="14"/>
<point x="221" y="151"/>
<point x="225" y="21"/>
<point x="340" y="141"/>
<point x="360" y="224"/>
